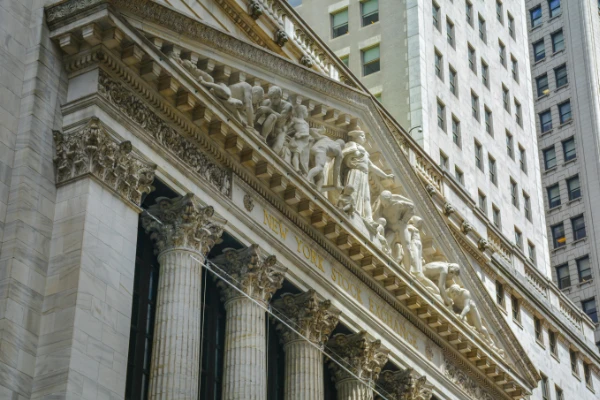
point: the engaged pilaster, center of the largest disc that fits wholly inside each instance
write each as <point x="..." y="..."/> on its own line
<point x="314" y="319"/>
<point x="362" y="360"/>
<point x="405" y="385"/>
<point x="183" y="233"/>
<point x="257" y="278"/>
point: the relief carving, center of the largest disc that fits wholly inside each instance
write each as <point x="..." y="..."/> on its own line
<point x="462" y="380"/>
<point x="405" y="385"/>
<point x="358" y="353"/>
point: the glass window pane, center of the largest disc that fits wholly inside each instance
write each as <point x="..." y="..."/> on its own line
<point x="546" y="121"/>
<point x="371" y="54"/>
<point x="370" y="6"/>
<point x="550" y="158"/>
<point x="558" y="235"/>
<point x="583" y="269"/>
<point x="553" y="196"/>
<point x="574" y="188"/>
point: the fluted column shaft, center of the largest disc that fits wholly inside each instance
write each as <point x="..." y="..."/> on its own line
<point x="353" y="389"/>
<point x="176" y="345"/>
<point x="245" y="364"/>
<point x="303" y="371"/>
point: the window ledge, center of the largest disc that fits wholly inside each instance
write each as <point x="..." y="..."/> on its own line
<point x="536" y="27"/>
<point x="547" y="171"/>
<point x="541" y="344"/>
<point x="542" y="96"/>
<point x="502" y="309"/>
<point x="576" y="375"/>
<point x="557" y="249"/>
<point x="569" y="122"/>
<point x="557" y="52"/>
<point x="539" y="61"/>
<point x="575" y="242"/>
<point x="549" y="131"/>
<point x="555" y="356"/>
<point x="555" y="17"/>
<point x="591" y="389"/>
<point x="580" y="284"/>
<point x="566" y="85"/>
<point x="572" y="160"/>
<point x="518" y="323"/>
<point x="555" y="208"/>
<point x="574" y="200"/>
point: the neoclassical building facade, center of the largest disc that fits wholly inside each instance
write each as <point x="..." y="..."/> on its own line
<point x="202" y="202"/>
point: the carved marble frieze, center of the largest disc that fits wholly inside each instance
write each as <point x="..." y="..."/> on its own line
<point x="121" y="97"/>
<point x="465" y="382"/>
<point x="91" y="151"/>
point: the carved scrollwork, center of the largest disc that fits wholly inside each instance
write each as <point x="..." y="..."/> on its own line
<point x="405" y="385"/>
<point x="359" y="354"/>
<point x="92" y="151"/>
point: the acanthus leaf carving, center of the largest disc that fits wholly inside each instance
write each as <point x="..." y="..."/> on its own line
<point x="405" y="385"/>
<point x="359" y="354"/>
<point x="462" y="380"/>
<point x="92" y="151"/>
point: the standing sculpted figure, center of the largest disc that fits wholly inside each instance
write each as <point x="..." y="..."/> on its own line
<point x="274" y="115"/>
<point x="299" y="141"/>
<point x="466" y="308"/>
<point x="358" y="165"/>
<point x="440" y="271"/>
<point x="324" y="150"/>
<point x="397" y="210"/>
<point x="414" y="253"/>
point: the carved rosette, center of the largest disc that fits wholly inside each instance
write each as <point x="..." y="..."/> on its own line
<point x="255" y="275"/>
<point x="91" y="151"/>
<point x="314" y="318"/>
<point x="405" y="385"/>
<point x="181" y="223"/>
<point x="357" y="353"/>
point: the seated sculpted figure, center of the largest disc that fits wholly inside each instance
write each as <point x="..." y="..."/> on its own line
<point x="466" y="308"/>
<point x="323" y="150"/>
<point x="274" y="115"/>
<point x="440" y="271"/>
<point x="250" y="96"/>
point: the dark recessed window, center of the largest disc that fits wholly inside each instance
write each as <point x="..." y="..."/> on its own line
<point x="549" y="158"/>
<point x="558" y="41"/>
<point x="492" y="170"/>
<point x="438" y="61"/>
<point x="471" y="54"/>
<point x="539" y="50"/>
<point x="545" y="121"/>
<point x="569" y="150"/>
<point x="563" y="278"/>
<point x="537" y="325"/>
<point x="469" y="12"/>
<point x="516" y="308"/>
<point x="482" y="31"/>
<point x="589" y="307"/>
<point x="496" y="217"/>
<point x="545" y="390"/>
<point x="583" y="269"/>
<point x="450" y="32"/>
<point x="558" y="235"/>
<point x="573" y="187"/>
<point x="436" y="15"/>
<point x="371" y="60"/>
<point x="453" y="80"/>
<point x="542" y="85"/>
<point x="345" y="60"/>
<point x="499" y="293"/>
<point x="564" y="111"/>
<point x="511" y="26"/>
<point x="578" y="227"/>
<point x="587" y="370"/>
<point x="552" y="341"/>
<point x="370" y="12"/>
<point x="554" y="6"/>
<point x="553" y="196"/>
<point x="574" y="362"/>
<point x="456" y="131"/>
<point x="560" y="74"/>
<point x="475" y="106"/>
<point x="478" y="155"/>
<point x="339" y="23"/>
<point x="536" y="16"/>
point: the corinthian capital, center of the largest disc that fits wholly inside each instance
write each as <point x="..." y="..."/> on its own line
<point x="312" y="317"/>
<point x="362" y="356"/>
<point x="256" y="275"/>
<point x="405" y="385"/>
<point x="181" y="222"/>
<point x="91" y="151"/>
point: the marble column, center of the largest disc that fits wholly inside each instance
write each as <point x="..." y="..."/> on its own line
<point x="256" y="278"/>
<point x="405" y="385"/>
<point x="313" y="319"/>
<point x="183" y="232"/>
<point x="362" y="359"/>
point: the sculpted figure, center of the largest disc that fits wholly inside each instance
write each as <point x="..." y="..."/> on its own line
<point x="323" y="150"/>
<point x="346" y="201"/>
<point x="250" y="96"/>
<point x="357" y="167"/>
<point x="466" y="308"/>
<point x="380" y="236"/>
<point x="440" y="271"/>
<point x="194" y="70"/>
<point x="274" y="114"/>
<point x="223" y="93"/>
<point x="299" y="141"/>
<point x="414" y="253"/>
<point x="397" y="210"/>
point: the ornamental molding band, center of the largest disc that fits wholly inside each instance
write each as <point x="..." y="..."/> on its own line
<point x="359" y="354"/>
<point x="91" y="151"/>
<point x="255" y="275"/>
<point x="181" y="223"/>
<point x="313" y="317"/>
<point x="405" y="385"/>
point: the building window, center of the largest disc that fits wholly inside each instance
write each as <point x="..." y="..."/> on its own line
<point x="589" y="307"/>
<point x="513" y="193"/>
<point x="553" y="196"/>
<point x="506" y="98"/>
<point x="552" y="342"/>
<point x="536" y="16"/>
<point x="531" y="253"/>
<point x="459" y="175"/>
<point x="559" y="393"/>
<point x="370" y="60"/>
<point x="489" y="121"/>
<point x="514" y="67"/>
<point x="523" y="159"/>
<point x="511" y="26"/>
<point x="545" y="391"/>
<point x="500" y="294"/>
<point x="558" y="41"/>
<point x="539" y="50"/>
<point x="554" y="6"/>
<point x="569" y="150"/>
<point x="436" y="16"/>
<point x="456" y="131"/>
<point x="502" y="53"/>
<point x="578" y="224"/>
<point x="339" y="23"/>
<point x="549" y="158"/>
<point x="539" y="334"/>
<point x="510" y="146"/>
<point x="345" y="59"/>
<point x="516" y="308"/>
<point x="563" y="277"/>
<point x="518" y="238"/>
<point x="527" y="206"/>
<point x="545" y="121"/>
<point x="518" y="113"/>
<point x="441" y="115"/>
<point x="438" y="58"/>
<point x="443" y="161"/>
<point x="574" y="362"/>
<point x="496" y="218"/>
<point x="482" y="31"/>
<point x="542" y="85"/>
<point x="453" y="81"/>
<point x="564" y="112"/>
<point x="475" y="106"/>
<point x="492" y="170"/>
<point x="378" y="96"/>
<point x="370" y="12"/>
<point x="560" y="74"/>
<point x="573" y="187"/>
<point x="558" y="235"/>
<point x="482" y="202"/>
<point x="478" y="155"/>
<point x="499" y="12"/>
<point x="450" y="32"/>
<point x="587" y="371"/>
<point x="583" y="269"/>
<point x="472" y="66"/>
<point x="485" y="74"/>
<point x="469" y="12"/>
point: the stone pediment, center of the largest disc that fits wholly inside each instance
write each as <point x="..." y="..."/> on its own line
<point x="201" y="81"/>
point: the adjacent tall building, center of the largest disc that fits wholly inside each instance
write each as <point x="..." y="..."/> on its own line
<point x="563" y="38"/>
